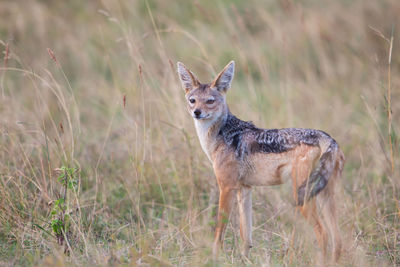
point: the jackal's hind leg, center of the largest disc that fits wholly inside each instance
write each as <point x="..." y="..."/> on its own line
<point x="328" y="206"/>
<point x="310" y="213"/>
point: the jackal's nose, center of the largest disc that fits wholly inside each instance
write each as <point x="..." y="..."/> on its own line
<point x="197" y="113"/>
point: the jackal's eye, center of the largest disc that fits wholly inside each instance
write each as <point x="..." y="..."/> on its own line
<point x="210" y="101"/>
<point x="192" y="101"/>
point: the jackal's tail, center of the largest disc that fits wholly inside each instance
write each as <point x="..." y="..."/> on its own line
<point x="330" y="162"/>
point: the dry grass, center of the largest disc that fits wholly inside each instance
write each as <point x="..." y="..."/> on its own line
<point x="107" y="102"/>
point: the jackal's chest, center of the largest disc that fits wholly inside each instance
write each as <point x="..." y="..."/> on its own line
<point x="206" y="136"/>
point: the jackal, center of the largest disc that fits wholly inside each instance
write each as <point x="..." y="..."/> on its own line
<point x="244" y="156"/>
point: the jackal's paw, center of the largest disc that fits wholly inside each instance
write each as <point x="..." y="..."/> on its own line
<point x="245" y="260"/>
<point x="215" y="250"/>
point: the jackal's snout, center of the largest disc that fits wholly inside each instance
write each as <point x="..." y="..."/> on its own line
<point x="197" y="113"/>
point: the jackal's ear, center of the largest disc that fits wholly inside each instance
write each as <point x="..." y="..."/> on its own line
<point x="225" y="77"/>
<point x="188" y="79"/>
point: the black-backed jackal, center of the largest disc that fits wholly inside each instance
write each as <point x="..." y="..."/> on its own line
<point x="244" y="156"/>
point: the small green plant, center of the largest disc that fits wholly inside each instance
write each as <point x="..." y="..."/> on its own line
<point x="59" y="215"/>
<point x="67" y="177"/>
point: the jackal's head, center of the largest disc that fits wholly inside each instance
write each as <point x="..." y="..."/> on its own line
<point x="206" y="101"/>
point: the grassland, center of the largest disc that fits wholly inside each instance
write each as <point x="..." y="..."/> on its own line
<point x="99" y="120"/>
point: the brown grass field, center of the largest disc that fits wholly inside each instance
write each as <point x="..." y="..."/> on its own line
<point x="99" y="160"/>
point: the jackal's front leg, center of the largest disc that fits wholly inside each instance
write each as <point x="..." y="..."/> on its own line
<point x="224" y="210"/>
<point x="245" y="206"/>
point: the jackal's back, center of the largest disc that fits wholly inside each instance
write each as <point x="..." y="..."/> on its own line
<point x="245" y="138"/>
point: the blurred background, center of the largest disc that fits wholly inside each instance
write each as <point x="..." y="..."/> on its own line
<point x="99" y="160"/>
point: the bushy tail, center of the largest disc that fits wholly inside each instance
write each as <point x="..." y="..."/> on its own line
<point x="323" y="171"/>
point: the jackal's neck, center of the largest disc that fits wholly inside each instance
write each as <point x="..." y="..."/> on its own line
<point x="207" y="131"/>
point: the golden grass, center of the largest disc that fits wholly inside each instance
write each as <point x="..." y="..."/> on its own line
<point x="105" y="99"/>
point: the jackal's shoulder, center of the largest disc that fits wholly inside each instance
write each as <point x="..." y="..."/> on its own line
<point x="245" y="138"/>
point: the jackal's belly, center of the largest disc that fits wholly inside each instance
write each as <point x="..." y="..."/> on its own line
<point x="268" y="169"/>
<point x="277" y="168"/>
